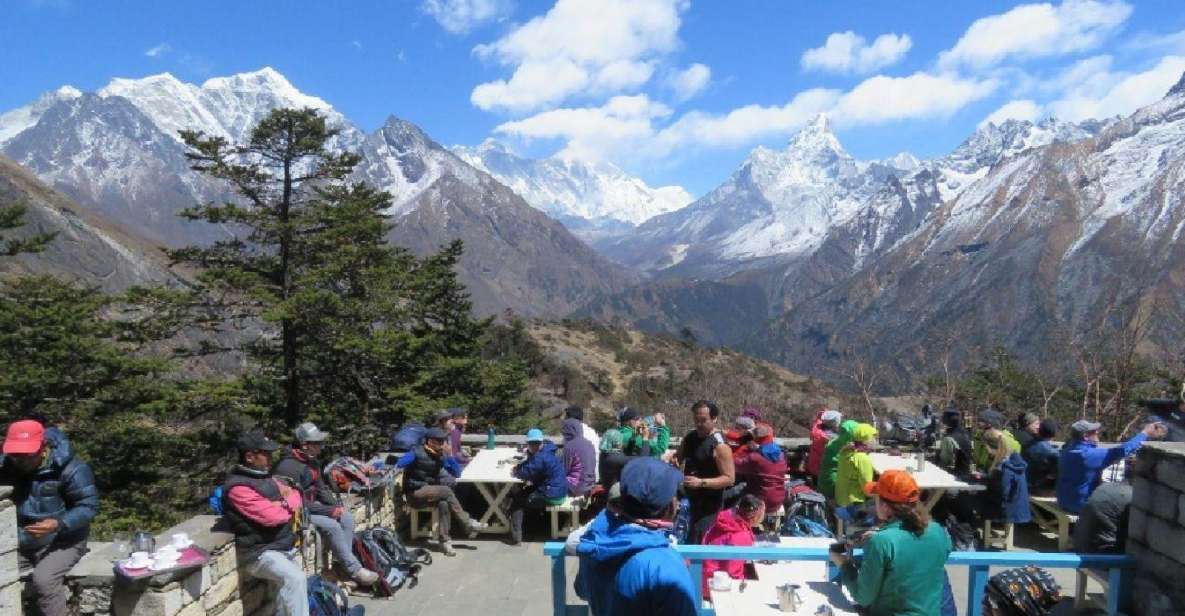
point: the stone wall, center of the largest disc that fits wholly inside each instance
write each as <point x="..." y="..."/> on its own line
<point x="1156" y="530"/>
<point x="218" y="589"/>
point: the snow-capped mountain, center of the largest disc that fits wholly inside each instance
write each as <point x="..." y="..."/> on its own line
<point x="587" y="196"/>
<point x="1050" y="241"/>
<point x="118" y="152"/>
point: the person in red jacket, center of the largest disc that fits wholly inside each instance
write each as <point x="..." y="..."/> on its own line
<point x="824" y="429"/>
<point x="732" y="527"/>
<point x="763" y="468"/>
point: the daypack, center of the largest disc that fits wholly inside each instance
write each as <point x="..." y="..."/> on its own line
<point x="801" y="526"/>
<point x="408" y="437"/>
<point x="380" y="550"/>
<point x="215" y="501"/>
<point x="328" y="599"/>
<point x="963" y="537"/>
<point x="682" y="523"/>
<point x="808" y="504"/>
<point x="1030" y="591"/>
<point x="901" y="427"/>
<point x="346" y="475"/>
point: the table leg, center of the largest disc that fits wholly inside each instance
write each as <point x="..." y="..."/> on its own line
<point x="933" y="498"/>
<point x="502" y="525"/>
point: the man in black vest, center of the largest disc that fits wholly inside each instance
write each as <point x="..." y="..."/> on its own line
<point x="427" y="484"/>
<point x="261" y="511"/>
<point x="707" y="464"/>
<point x="326" y="510"/>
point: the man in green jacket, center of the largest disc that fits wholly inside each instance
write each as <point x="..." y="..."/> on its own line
<point x="637" y="437"/>
<point x="828" y="467"/>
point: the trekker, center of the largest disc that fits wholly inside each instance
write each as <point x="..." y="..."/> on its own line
<point x="707" y="465"/>
<point x="546" y="484"/>
<point x="734" y="527"/>
<point x="741" y="434"/>
<point x="638" y="437"/>
<point x="1025" y="430"/>
<point x="990" y="420"/>
<point x="829" y="466"/>
<point x="627" y="565"/>
<point x="579" y="458"/>
<point x="1041" y="456"/>
<point x="1007" y="496"/>
<point x="56" y="499"/>
<point x="577" y="413"/>
<point x="612" y="459"/>
<point x="460" y="418"/>
<point x="823" y="430"/>
<point x="954" y="448"/>
<point x="854" y="471"/>
<point x="763" y="469"/>
<point x="1102" y="525"/>
<point x="903" y="570"/>
<point x="261" y="510"/>
<point x="1081" y="464"/>
<point x="326" y="511"/>
<point x="426" y="483"/>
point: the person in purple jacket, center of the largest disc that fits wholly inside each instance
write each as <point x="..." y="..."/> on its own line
<point x="460" y="417"/>
<point x="579" y="458"/>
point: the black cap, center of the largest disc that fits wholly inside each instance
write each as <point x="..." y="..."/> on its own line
<point x="256" y="440"/>
<point x="458" y="411"/>
<point x="574" y="412"/>
<point x="440" y="416"/>
<point x="628" y="414"/>
<point x="436" y="434"/>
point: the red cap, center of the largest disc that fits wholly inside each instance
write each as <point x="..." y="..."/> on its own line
<point x="24" y="436"/>
<point x="896" y="486"/>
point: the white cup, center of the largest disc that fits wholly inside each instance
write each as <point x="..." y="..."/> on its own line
<point x="166" y="552"/>
<point x="721" y="581"/>
<point x="181" y="541"/>
<point x="139" y="560"/>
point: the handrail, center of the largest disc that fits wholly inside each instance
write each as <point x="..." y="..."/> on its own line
<point x="1118" y="567"/>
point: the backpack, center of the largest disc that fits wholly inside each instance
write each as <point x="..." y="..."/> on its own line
<point x="380" y="550"/>
<point x="328" y="599"/>
<point x="215" y="501"/>
<point x="808" y="504"/>
<point x="408" y="437"/>
<point x="346" y="475"/>
<point x="963" y="537"/>
<point x="801" y="526"/>
<point x="900" y="427"/>
<point x="1028" y="591"/>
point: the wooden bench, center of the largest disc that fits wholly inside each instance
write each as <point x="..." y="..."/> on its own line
<point x="990" y="539"/>
<point x="418" y="529"/>
<point x="1081" y="576"/>
<point x="572" y="506"/>
<point x="1050" y="517"/>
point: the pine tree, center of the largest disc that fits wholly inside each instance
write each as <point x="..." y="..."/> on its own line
<point x="12" y="216"/>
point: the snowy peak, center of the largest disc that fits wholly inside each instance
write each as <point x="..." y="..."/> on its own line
<point x="570" y="188"/>
<point x="16" y="121"/>
<point x="1178" y="88"/>
<point x="817" y="138"/>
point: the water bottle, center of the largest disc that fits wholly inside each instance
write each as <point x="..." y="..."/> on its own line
<point x="490" y="438"/>
<point x="921" y="455"/>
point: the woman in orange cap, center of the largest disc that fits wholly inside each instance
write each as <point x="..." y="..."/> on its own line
<point x="903" y="570"/>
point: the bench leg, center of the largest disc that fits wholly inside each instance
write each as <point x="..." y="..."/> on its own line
<point x="1008" y="537"/>
<point x="1063" y="534"/>
<point x="1080" y="588"/>
<point x="555" y="524"/>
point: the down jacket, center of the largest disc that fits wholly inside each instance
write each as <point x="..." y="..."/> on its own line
<point x="728" y="529"/>
<point x="545" y="471"/>
<point x="318" y="498"/>
<point x="63" y="488"/>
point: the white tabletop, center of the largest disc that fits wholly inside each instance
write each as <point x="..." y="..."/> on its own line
<point x="760" y="596"/>
<point x="933" y="477"/>
<point x="490" y="466"/>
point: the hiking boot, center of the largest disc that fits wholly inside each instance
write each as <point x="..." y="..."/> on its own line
<point x="476" y="527"/>
<point x="365" y="576"/>
<point x="446" y="548"/>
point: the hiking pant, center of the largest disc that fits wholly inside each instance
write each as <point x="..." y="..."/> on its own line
<point x="280" y="570"/>
<point x="705" y="504"/>
<point x="446" y="503"/>
<point x="339" y="534"/>
<point x="50" y="565"/>
<point x="527" y="499"/>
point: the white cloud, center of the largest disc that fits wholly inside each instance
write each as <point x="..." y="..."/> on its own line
<point x="462" y="16"/>
<point x="580" y="47"/>
<point x="689" y="82"/>
<point x="158" y="50"/>
<point x="744" y="125"/>
<point x="882" y="99"/>
<point x="848" y="52"/>
<point x="1104" y="93"/>
<point x="1024" y="109"/>
<point x="1036" y="30"/>
<point x="592" y="133"/>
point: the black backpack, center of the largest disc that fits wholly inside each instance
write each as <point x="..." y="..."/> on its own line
<point x="380" y="550"/>
<point x="328" y="599"/>
<point x="963" y="537"/>
<point x="1030" y="591"/>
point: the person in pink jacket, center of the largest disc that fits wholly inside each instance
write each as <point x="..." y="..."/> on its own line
<point x="732" y="527"/>
<point x="825" y="427"/>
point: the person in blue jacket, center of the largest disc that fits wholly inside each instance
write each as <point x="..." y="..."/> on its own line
<point x="547" y="483"/>
<point x="627" y="565"/>
<point x="1081" y="463"/>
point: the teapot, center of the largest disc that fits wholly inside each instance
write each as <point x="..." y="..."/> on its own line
<point x="143" y="542"/>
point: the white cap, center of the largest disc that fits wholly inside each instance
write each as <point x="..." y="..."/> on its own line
<point x="831" y="415"/>
<point x="308" y="432"/>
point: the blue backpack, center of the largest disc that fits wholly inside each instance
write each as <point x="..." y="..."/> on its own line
<point x="328" y="599"/>
<point x="802" y="526"/>
<point x="215" y="501"/>
<point x="408" y="437"/>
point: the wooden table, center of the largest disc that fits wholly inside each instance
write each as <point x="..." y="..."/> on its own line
<point x="489" y="471"/>
<point x="933" y="480"/>
<point x="760" y="596"/>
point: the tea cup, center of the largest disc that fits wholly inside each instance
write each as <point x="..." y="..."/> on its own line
<point x="181" y="541"/>
<point x="138" y="560"/>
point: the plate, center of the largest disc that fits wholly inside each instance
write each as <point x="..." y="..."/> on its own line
<point x="161" y="566"/>
<point x="127" y="564"/>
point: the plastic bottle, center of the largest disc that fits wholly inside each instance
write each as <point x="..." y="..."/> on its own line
<point x="490" y="438"/>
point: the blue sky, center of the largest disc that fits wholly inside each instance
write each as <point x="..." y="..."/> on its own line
<point x="675" y="91"/>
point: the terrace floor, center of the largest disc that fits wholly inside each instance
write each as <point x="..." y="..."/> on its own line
<point x="490" y="578"/>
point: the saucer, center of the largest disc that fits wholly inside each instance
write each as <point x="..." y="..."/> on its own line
<point x="128" y="564"/>
<point x="161" y="565"/>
